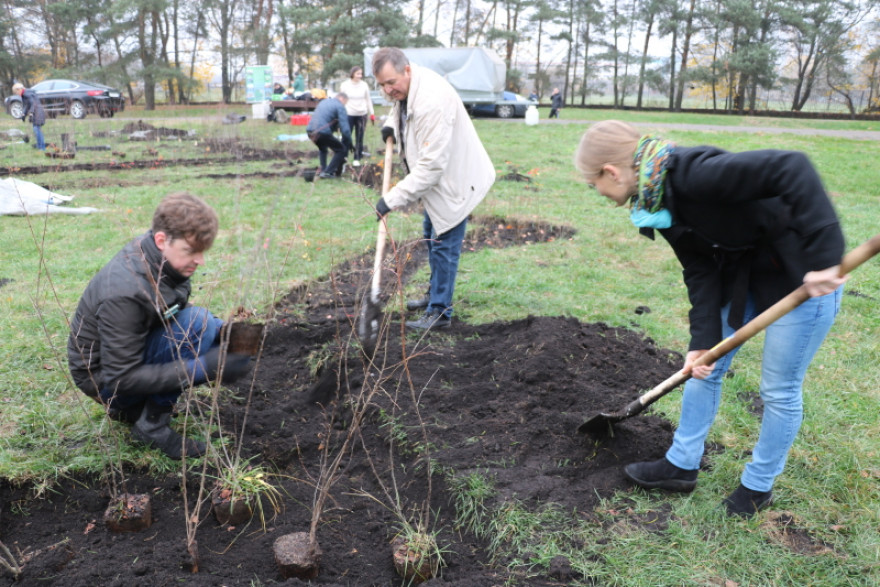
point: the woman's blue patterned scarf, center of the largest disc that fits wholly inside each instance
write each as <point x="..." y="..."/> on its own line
<point x="646" y="207"/>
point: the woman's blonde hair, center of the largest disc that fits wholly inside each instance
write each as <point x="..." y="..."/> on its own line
<point x="16" y="87"/>
<point x="610" y="142"/>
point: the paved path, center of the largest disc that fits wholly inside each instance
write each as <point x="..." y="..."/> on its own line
<point x="860" y="135"/>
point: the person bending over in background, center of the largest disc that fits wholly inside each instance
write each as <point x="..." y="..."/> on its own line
<point x="135" y="343"/>
<point x="327" y="118"/>
<point x="358" y="107"/>
<point x="748" y="228"/>
<point x="447" y="168"/>
<point x="33" y="109"/>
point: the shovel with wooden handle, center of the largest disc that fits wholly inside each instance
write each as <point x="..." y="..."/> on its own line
<point x="371" y="310"/>
<point x="601" y="423"/>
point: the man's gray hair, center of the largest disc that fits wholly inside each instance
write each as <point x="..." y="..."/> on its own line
<point x="341" y="96"/>
<point x="392" y="55"/>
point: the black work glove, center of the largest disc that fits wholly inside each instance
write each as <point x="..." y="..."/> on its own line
<point x="205" y="368"/>
<point x="387" y="131"/>
<point x="236" y="367"/>
<point x="382" y="208"/>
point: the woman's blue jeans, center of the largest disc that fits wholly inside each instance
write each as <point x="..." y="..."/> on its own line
<point x="38" y="135"/>
<point x="444" y="252"/>
<point x="789" y="347"/>
<point x="192" y="332"/>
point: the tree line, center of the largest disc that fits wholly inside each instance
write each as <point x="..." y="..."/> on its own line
<point x="728" y="51"/>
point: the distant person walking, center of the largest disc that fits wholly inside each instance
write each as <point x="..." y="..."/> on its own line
<point x="555" y="103"/>
<point x="33" y="109"/>
<point x="358" y="107"/>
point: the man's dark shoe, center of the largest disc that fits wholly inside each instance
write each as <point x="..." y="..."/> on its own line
<point x="661" y="474"/>
<point x="434" y="320"/>
<point x="419" y="304"/>
<point x="152" y="428"/>
<point x="328" y="176"/>
<point x="745" y="502"/>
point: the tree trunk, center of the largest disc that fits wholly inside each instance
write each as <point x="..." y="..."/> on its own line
<point x="624" y="88"/>
<point x="467" y="23"/>
<point x="452" y="32"/>
<point x="538" y="58"/>
<point x="616" y="65"/>
<point x="672" y="69"/>
<point x="644" y="62"/>
<point x="568" y="56"/>
<point x="192" y="61"/>
<point x="806" y="80"/>
<point x="584" y="87"/>
<point x="685" y="50"/>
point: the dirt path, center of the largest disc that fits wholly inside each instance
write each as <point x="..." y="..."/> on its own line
<point x="859" y="135"/>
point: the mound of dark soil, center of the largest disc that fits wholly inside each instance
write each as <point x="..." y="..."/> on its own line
<point x="502" y="400"/>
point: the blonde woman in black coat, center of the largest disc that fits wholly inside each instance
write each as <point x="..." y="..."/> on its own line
<point x="747" y="228"/>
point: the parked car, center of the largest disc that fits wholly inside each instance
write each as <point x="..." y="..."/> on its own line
<point x="62" y="96"/>
<point x="511" y="105"/>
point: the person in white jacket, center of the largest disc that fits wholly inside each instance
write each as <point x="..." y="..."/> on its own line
<point x="447" y="168"/>
<point x="358" y="107"/>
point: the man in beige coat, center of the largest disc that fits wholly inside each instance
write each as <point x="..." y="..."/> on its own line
<point x="447" y="168"/>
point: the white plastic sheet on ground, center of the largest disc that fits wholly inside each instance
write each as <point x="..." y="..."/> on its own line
<point x="23" y="198"/>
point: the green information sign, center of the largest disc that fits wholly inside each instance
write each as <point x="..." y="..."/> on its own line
<point x="258" y="83"/>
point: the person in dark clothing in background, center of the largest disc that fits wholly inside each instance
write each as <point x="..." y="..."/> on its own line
<point x="555" y="103"/>
<point x="135" y="343"/>
<point x="327" y="118"/>
<point x="32" y="109"/>
<point x="747" y="228"/>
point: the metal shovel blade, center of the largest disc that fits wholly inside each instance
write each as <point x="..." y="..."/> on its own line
<point x="601" y="423"/>
<point x="368" y="325"/>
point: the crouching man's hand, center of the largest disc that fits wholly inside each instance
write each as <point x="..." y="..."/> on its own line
<point x="207" y="367"/>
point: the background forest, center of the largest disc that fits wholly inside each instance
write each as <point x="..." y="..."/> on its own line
<point x="735" y="55"/>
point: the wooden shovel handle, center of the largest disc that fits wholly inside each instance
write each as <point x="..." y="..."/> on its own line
<point x="382" y="235"/>
<point x="849" y="262"/>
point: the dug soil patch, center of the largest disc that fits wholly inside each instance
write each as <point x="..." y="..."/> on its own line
<point x="500" y="400"/>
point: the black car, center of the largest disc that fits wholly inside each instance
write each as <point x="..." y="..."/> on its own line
<point x="511" y="105"/>
<point x="62" y="96"/>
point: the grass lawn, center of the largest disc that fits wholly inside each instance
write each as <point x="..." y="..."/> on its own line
<point x="277" y="232"/>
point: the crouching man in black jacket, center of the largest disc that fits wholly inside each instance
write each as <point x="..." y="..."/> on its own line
<point x="135" y="344"/>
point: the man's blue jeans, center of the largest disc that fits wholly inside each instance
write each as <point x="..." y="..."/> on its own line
<point x="789" y="347"/>
<point x="192" y="332"/>
<point x="444" y="251"/>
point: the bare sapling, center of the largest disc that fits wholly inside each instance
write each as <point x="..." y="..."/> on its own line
<point x="416" y="555"/>
<point x="125" y="512"/>
<point x="225" y="478"/>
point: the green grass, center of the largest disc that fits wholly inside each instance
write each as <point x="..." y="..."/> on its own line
<point x="277" y="233"/>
